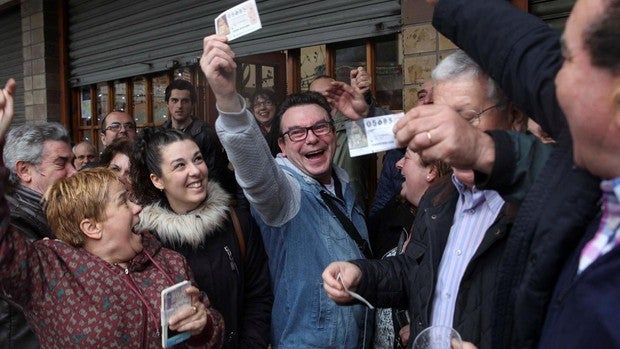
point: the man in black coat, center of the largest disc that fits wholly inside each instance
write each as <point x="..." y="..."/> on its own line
<point x="446" y="276"/>
<point x="37" y="155"/>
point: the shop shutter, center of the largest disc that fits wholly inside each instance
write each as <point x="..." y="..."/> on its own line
<point x="115" y="38"/>
<point x="554" y="12"/>
<point x="11" y="57"/>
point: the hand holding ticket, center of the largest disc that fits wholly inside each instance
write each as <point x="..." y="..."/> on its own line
<point x="353" y="294"/>
<point x="238" y="21"/>
<point x="372" y="135"/>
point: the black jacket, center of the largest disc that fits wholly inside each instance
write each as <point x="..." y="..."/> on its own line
<point x="238" y="287"/>
<point x="28" y="218"/>
<point x="523" y="55"/>
<point x="411" y="278"/>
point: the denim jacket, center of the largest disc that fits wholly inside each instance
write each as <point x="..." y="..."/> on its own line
<point x="299" y="250"/>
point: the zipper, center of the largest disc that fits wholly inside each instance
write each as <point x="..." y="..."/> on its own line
<point x="233" y="265"/>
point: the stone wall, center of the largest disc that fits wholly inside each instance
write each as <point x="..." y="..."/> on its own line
<point x="423" y="48"/>
<point x="40" y="39"/>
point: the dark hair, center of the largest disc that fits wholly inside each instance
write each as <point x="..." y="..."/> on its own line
<point x="122" y="145"/>
<point x="102" y="124"/>
<point x="181" y="84"/>
<point x="302" y="98"/>
<point x="263" y="92"/>
<point x="602" y="38"/>
<point x="146" y="159"/>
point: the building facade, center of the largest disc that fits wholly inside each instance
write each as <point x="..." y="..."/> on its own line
<point x="76" y="60"/>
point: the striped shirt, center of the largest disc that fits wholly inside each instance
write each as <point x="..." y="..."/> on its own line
<point x="608" y="234"/>
<point x="475" y="211"/>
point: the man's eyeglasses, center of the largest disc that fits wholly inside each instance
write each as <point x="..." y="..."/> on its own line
<point x="116" y="126"/>
<point x="298" y="134"/>
<point x="266" y="103"/>
<point x="473" y="116"/>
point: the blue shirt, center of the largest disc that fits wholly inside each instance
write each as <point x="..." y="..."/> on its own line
<point x="476" y="210"/>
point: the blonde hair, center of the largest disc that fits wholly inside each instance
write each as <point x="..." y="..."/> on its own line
<point x="70" y="200"/>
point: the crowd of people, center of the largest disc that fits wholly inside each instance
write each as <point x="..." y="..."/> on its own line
<point x="479" y="225"/>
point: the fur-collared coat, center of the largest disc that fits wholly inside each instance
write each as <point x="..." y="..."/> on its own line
<point x="238" y="287"/>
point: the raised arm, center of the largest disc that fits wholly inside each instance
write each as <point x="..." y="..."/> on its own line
<point x="265" y="185"/>
<point x="6" y="107"/>
<point x="518" y="50"/>
<point x="13" y="247"/>
<point x="218" y="64"/>
<point x="505" y="161"/>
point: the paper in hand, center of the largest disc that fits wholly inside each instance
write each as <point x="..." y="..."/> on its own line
<point x="238" y="21"/>
<point x="372" y="135"/>
<point x="173" y="299"/>
<point x="353" y="294"/>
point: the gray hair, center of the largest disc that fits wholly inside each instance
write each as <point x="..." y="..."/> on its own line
<point x="459" y="64"/>
<point x="87" y="143"/>
<point x="25" y="143"/>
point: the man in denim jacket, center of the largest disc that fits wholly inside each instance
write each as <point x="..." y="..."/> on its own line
<point x="287" y="194"/>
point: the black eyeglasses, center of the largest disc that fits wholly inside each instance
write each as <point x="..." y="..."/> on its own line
<point x="298" y="134"/>
<point x="116" y="126"/>
<point x="266" y="103"/>
<point x="473" y="116"/>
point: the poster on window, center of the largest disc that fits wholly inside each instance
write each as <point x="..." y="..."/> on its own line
<point x="85" y="105"/>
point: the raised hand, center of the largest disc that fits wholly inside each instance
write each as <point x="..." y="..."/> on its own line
<point x="6" y="106"/>
<point x="348" y="100"/>
<point x="360" y="80"/>
<point x="437" y="132"/>
<point x="218" y="64"/>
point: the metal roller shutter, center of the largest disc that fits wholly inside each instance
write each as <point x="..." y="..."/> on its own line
<point x="114" y="39"/>
<point x="12" y="58"/>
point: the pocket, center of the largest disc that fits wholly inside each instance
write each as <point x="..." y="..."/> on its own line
<point x="322" y="309"/>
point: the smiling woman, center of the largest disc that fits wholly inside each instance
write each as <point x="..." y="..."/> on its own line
<point x="195" y="216"/>
<point x="264" y="108"/>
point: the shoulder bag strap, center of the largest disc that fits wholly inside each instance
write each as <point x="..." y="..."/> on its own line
<point x="347" y="225"/>
<point x="238" y="231"/>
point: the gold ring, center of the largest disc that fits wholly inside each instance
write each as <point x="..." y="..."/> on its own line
<point x="195" y="309"/>
<point x="429" y="136"/>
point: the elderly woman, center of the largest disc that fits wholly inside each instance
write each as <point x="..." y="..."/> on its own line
<point x="99" y="284"/>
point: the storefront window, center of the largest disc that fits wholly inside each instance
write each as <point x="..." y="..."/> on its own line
<point x="387" y="67"/>
<point x="102" y="101"/>
<point x="347" y="57"/>
<point x="120" y="96"/>
<point x="389" y="74"/>
<point x="160" y="110"/>
<point x="86" y="106"/>
<point x="267" y="77"/>
<point x="312" y="61"/>
<point x="139" y="100"/>
<point x="87" y="135"/>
